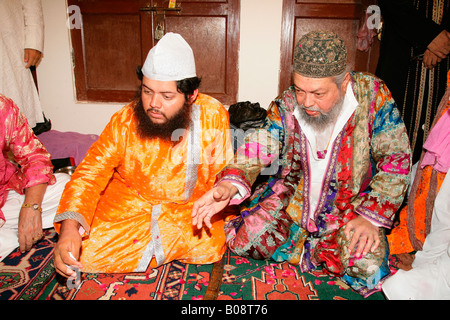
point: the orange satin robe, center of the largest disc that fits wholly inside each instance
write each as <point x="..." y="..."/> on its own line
<point x="134" y="197"/>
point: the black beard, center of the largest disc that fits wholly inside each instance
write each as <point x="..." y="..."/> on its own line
<point x="147" y="129"/>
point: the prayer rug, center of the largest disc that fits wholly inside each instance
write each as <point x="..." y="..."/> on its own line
<point x="24" y="276"/>
<point x="31" y="276"/>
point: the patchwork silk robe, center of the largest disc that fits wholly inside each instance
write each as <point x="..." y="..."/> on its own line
<point x="134" y="197"/>
<point x="367" y="174"/>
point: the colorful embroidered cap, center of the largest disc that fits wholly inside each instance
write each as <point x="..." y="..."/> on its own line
<point x="320" y="54"/>
<point x="171" y="59"/>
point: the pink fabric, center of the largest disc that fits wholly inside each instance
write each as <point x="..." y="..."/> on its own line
<point x="395" y="164"/>
<point x="365" y="36"/>
<point x="67" y="144"/>
<point x="437" y="145"/>
<point x="18" y="138"/>
<point x="258" y="151"/>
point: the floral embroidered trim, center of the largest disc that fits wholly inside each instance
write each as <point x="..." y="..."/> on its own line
<point x="329" y="172"/>
<point x="384" y="222"/>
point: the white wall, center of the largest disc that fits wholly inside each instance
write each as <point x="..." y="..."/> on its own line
<point x="259" y="60"/>
<point x="259" y="56"/>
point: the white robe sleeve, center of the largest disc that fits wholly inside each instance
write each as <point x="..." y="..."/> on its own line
<point x="34" y="24"/>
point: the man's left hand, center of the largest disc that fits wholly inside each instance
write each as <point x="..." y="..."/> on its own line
<point x="32" y="57"/>
<point x="365" y="236"/>
<point x="30" y="228"/>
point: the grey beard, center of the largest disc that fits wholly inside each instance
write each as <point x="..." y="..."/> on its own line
<point x="322" y="121"/>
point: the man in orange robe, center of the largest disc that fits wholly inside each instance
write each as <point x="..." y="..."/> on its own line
<point x="128" y="205"/>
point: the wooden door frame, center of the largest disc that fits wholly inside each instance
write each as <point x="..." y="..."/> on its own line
<point x="232" y="41"/>
<point x="293" y="9"/>
<point x="132" y="7"/>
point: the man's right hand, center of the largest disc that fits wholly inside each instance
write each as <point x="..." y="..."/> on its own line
<point x="69" y="242"/>
<point x="211" y="203"/>
<point x="430" y="60"/>
<point x="440" y="45"/>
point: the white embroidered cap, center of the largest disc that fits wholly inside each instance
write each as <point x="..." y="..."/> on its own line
<point x="172" y="59"/>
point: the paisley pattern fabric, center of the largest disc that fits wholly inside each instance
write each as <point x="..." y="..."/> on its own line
<point x="368" y="175"/>
<point x="134" y="197"/>
<point x="31" y="163"/>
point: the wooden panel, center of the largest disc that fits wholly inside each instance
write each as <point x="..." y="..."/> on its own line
<point x="208" y="41"/>
<point x="106" y="50"/>
<point x="203" y="1"/>
<point x="212" y="30"/>
<point x="119" y="55"/>
<point x="116" y="36"/>
<point x="329" y="1"/>
<point x="341" y="16"/>
<point x="347" y="29"/>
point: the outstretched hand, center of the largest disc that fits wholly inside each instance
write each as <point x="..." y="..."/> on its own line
<point x="211" y="203"/>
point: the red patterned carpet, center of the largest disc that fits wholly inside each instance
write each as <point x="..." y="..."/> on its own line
<point x="31" y="276"/>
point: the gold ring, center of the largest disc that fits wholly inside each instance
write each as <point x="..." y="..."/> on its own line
<point x="38" y="237"/>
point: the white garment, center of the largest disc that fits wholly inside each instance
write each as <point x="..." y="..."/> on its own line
<point x="21" y="26"/>
<point x="9" y="239"/>
<point x="317" y="141"/>
<point x="171" y="59"/>
<point x="429" y="279"/>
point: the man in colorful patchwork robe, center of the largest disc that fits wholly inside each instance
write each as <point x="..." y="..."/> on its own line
<point x="342" y="164"/>
<point x="129" y="203"/>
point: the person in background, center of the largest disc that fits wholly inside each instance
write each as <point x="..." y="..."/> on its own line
<point x="414" y="60"/>
<point x="21" y="47"/>
<point x="421" y="240"/>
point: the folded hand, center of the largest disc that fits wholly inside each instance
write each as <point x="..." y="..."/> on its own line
<point x="365" y="236"/>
